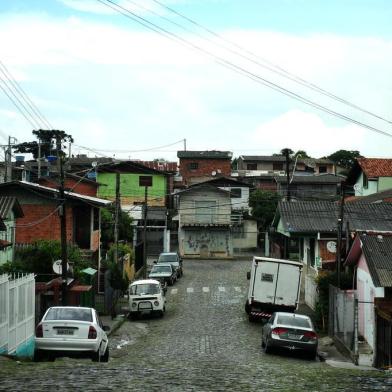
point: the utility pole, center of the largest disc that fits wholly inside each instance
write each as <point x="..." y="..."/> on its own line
<point x="184" y="144"/>
<point x="286" y="153"/>
<point x="63" y="226"/>
<point x="116" y="217"/>
<point x="145" y="232"/>
<point x="339" y="240"/>
<point x="8" y="159"/>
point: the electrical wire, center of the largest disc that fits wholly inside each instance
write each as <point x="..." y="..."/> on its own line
<point x="270" y="66"/>
<point x="238" y="69"/>
<point x="22" y="94"/>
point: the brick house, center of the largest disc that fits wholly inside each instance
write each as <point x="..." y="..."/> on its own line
<point x="40" y="218"/>
<point x="199" y="166"/>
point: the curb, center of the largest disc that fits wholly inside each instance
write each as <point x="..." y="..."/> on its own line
<point x="117" y="326"/>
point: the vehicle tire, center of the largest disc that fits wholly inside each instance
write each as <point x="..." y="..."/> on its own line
<point x="95" y="356"/>
<point x="267" y="348"/>
<point x="105" y="356"/>
<point x="161" y="313"/>
<point x="312" y="355"/>
<point x="247" y="307"/>
<point x="38" y="356"/>
<point x="251" y="318"/>
<point x="171" y="282"/>
<point x="262" y="343"/>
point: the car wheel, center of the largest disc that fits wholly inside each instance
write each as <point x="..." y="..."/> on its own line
<point x="247" y="307"/>
<point x="251" y="318"/>
<point x="161" y="313"/>
<point x="95" y="356"/>
<point x="262" y="343"/>
<point x="267" y="348"/>
<point x="312" y="355"/>
<point x="105" y="356"/>
<point x="38" y="356"/>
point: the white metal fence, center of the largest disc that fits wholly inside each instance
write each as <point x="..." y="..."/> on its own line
<point x="311" y="294"/>
<point x="17" y="311"/>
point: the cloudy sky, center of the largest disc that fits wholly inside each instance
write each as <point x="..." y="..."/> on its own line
<point x="123" y="89"/>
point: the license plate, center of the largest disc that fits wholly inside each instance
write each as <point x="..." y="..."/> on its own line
<point x="294" y="337"/>
<point x="145" y="305"/>
<point x="64" y="331"/>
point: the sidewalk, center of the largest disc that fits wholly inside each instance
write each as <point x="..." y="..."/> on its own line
<point x="113" y="324"/>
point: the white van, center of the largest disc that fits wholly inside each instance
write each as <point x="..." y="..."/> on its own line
<point x="146" y="296"/>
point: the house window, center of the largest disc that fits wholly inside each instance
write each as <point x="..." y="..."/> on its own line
<point x="277" y="166"/>
<point x="365" y="181"/>
<point x="193" y="166"/>
<point x="235" y="193"/>
<point x="322" y="169"/>
<point x="251" y="166"/>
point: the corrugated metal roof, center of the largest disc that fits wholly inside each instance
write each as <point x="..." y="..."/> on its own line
<point x="313" y="179"/>
<point x="213" y="154"/>
<point x="8" y="203"/>
<point x="384" y="196"/>
<point x="378" y="252"/>
<point x="322" y="216"/>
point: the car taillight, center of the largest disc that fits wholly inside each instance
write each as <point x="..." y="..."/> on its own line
<point x="279" y="331"/>
<point x="92" y="332"/>
<point x="310" y="335"/>
<point x="39" y="332"/>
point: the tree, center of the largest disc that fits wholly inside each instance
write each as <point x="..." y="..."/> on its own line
<point x="107" y="226"/>
<point x="345" y="158"/>
<point x="301" y="154"/>
<point x="264" y="204"/>
<point x="234" y="164"/>
<point x="49" y="141"/>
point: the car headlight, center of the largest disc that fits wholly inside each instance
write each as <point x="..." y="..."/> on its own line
<point x="156" y="303"/>
<point x="134" y="304"/>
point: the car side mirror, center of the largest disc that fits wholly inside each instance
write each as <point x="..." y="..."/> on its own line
<point x="106" y="328"/>
<point x="155" y="261"/>
<point x="248" y="275"/>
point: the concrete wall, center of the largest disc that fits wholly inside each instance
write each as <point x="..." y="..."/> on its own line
<point x="246" y="237"/>
<point x="238" y="203"/>
<point x="371" y="188"/>
<point x="384" y="183"/>
<point x="205" y="243"/>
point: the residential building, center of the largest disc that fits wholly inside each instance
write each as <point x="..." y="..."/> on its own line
<point x="243" y="226"/>
<point x="307" y="231"/>
<point x="370" y="175"/>
<point x="199" y="166"/>
<point x="310" y="187"/>
<point x="40" y="220"/>
<point x="204" y="215"/>
<point x="276" y="164"/>
<point x="370" y="255"/>
<point x="10" y="211"/>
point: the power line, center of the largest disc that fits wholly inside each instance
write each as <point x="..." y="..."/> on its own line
<point x="271" y="66"/>
<point x="238" y="69"/>
<point x="17" y="87"/>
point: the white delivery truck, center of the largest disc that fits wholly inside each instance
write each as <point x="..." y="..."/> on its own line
<point x="274" y="286"/>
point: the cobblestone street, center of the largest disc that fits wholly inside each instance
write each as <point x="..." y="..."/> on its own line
<point x="204" y="343"/>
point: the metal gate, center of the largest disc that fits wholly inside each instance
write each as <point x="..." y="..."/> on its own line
<point x="383" y="342"/>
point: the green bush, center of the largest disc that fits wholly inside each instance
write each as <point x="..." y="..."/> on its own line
<point x="38" y="258"/>
<point x="123" y="249"/>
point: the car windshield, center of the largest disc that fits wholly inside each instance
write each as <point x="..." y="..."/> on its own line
<point x="167" y="258"/>
<point x="293" y="321"/>
<point x="148" y="288"/>
<point x="161" y="268"/>
<point x="69" y="314"/>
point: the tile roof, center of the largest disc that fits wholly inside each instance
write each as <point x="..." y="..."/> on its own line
<point x="378" y="250"/>
<point x="376" y="167"/>
<point x="213" y="154"/>
<point x="322" y="216"/>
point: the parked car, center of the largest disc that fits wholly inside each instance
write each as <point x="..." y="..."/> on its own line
<point x="71" y="331"/>
<point x="174" y="259"/>
<point x="290" y="331"/>
<point x="163" y="272"/>
<point x="146" y="296"/>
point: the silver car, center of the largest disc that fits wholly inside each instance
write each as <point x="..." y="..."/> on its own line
<point x="71" y="331"/>
<point x="289" y="331"/>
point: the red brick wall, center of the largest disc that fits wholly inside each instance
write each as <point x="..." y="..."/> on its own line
<point x="84" y="188"/>
<point x="206" y="167"/>
<point x="48" y="229"/>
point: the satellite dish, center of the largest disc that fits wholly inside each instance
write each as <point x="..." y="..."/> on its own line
<point x="57" y="267"/>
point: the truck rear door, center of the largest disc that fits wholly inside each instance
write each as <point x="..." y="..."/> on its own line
<point x="287" y="286"/>
<point x="265" y="282"/>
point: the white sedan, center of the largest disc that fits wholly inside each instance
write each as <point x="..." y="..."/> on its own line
<point x="71" y="331"/>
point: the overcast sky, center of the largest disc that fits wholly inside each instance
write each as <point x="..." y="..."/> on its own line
<point x="122" y="89"/>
